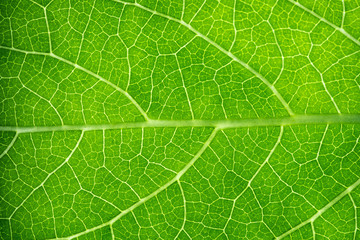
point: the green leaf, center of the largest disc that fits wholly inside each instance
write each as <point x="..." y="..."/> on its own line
<point x="168" y="119"/>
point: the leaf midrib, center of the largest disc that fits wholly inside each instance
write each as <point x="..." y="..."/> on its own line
<point x="220" y="124"/>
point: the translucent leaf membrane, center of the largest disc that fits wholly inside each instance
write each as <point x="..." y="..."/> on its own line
<point x="164" y="119"/>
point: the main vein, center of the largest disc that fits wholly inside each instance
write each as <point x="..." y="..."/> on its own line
<point x="221" y="124"/>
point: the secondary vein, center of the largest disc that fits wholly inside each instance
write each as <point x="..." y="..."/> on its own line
<point x="143" y="200"/>
<point x="321" y="211"/>
<point x="211" y="42"/>
<point x="132" y="100"/>
<point x="340" y="29"/>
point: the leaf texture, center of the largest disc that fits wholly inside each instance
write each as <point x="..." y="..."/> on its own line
<point x="167" y="119"/>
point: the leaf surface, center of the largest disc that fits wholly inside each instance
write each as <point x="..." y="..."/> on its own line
<point x="165" y="119"/>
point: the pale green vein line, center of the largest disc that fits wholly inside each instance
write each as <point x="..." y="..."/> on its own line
<point x="143" y="200"/>
<point x="221" y="124"/>
<point x="256" y="173"/>
<point x="184" y="202"/>
<point x="269" y="156"/>
<point x="355" y="215"/>
<point x="185" y="89"/>
<point x="132" y="100"/>
<point x="37" y="3"/>
<point x="345" y="33"/>
<point x="46" y="100"/>
<point x="10" y="145"/>
<point x="324" y="84"/>
<point x="321" y="211"/>
<point x="112" y="232"/>
<point x="84" y="32"/>
<point x="247" y="66"/>
<point x="49" y="175"/>
<point x="232" y="56"/>
<point x="48" y="29"/>
<point x="52" y="209"/>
